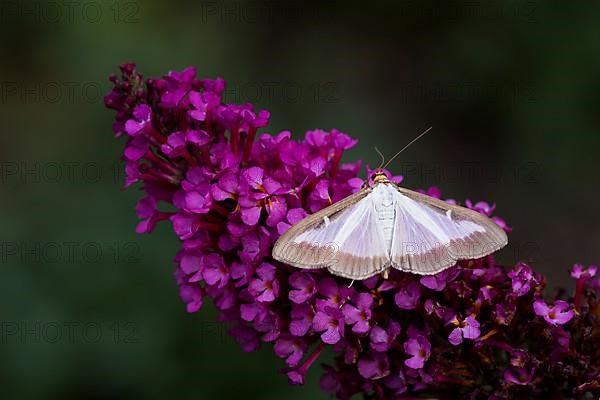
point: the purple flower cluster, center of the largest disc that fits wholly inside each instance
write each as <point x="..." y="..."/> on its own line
<point x="476" y="330"/>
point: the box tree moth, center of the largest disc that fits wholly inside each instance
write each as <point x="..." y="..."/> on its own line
<point x="386" y="226"/>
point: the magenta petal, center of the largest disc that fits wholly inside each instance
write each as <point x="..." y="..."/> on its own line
<point x="276" y="211"/>
<point x="577" y="271"/>
<point x="296" y="215"/>
<point x="321" y="321"/>
<point x="266" y="296"/>
<point x="374" y="366"/>
<point x="331" y="336"/>
<point x="563" y="317"/>
<point x="303" y="287"/>
<point x="429" y="281"/>
<point x="219" y="194"/>
<point x="415" y="362"/>
<point x="299" y="327"/>
<point x="379" y="339"/>
<point x="142" y="112"/>
<point x="282" y="228"/>
<point x="361" y="327"/>
<point x="197" y="137"/>
<point x="136" y="148"/>
<point x="274" y="187"/>
<point x="198" y="115"/>
<point x="327" y="287"/>
<point x="352" y="313"/>
<point x="189" y="263"/>
<point x="211" y="276"/>
<point x="192" y="296"/>
<point x="560" y="306"/>
<point x="144" y="226"/>
<point x="283" y="348"/>
<point x="294" y="358"/>
<point x="456" y="336"/>
<point x="412" y="347"/>
<point x="541" y="308"/>
<point x="295" y="377"/>
<point x="254" y="176"/>
<point x="248" y="311"/>
<point x="183" y="225"/>
<point x="133" y="127"/>
<point x="471" y="332"/>
<point x="197" y="203"/>
<point x="251" y="215"/>
<point x="229" y="183"/>
<point x="407" y="298"/>
<point x="367" y="368"/>
<point x="196" y="98"/>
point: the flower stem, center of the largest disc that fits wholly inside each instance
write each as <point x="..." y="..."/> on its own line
<point x="579" y="286"/>
<point x="335" y="164"/>
<point x="249" y="144"/>
<point x="157" y="136"/>
<point x="309" y="361"/>
<point x="161" y="163"/>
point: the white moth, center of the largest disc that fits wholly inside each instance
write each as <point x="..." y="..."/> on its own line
<point x="386" y="226"/>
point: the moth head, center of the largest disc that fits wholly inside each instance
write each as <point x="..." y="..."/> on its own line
<point x="379" y="177"/>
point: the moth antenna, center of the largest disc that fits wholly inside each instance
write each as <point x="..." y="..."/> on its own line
<point x="351" y="283"/>
<point x="382" y="157"/>
<point x="407" y="146"/>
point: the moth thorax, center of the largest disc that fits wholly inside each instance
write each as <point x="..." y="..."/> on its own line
<point x="386" y="213"/>
<point x="380" y="178"/>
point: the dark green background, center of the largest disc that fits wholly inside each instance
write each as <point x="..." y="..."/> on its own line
<point x="512" y="89"/>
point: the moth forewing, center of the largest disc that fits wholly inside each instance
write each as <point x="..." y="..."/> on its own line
<point x="439" y="234"/>
<point x="288" y="249"/>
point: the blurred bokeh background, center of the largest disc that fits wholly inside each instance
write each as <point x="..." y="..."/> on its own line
<point x="89" y="310"/>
